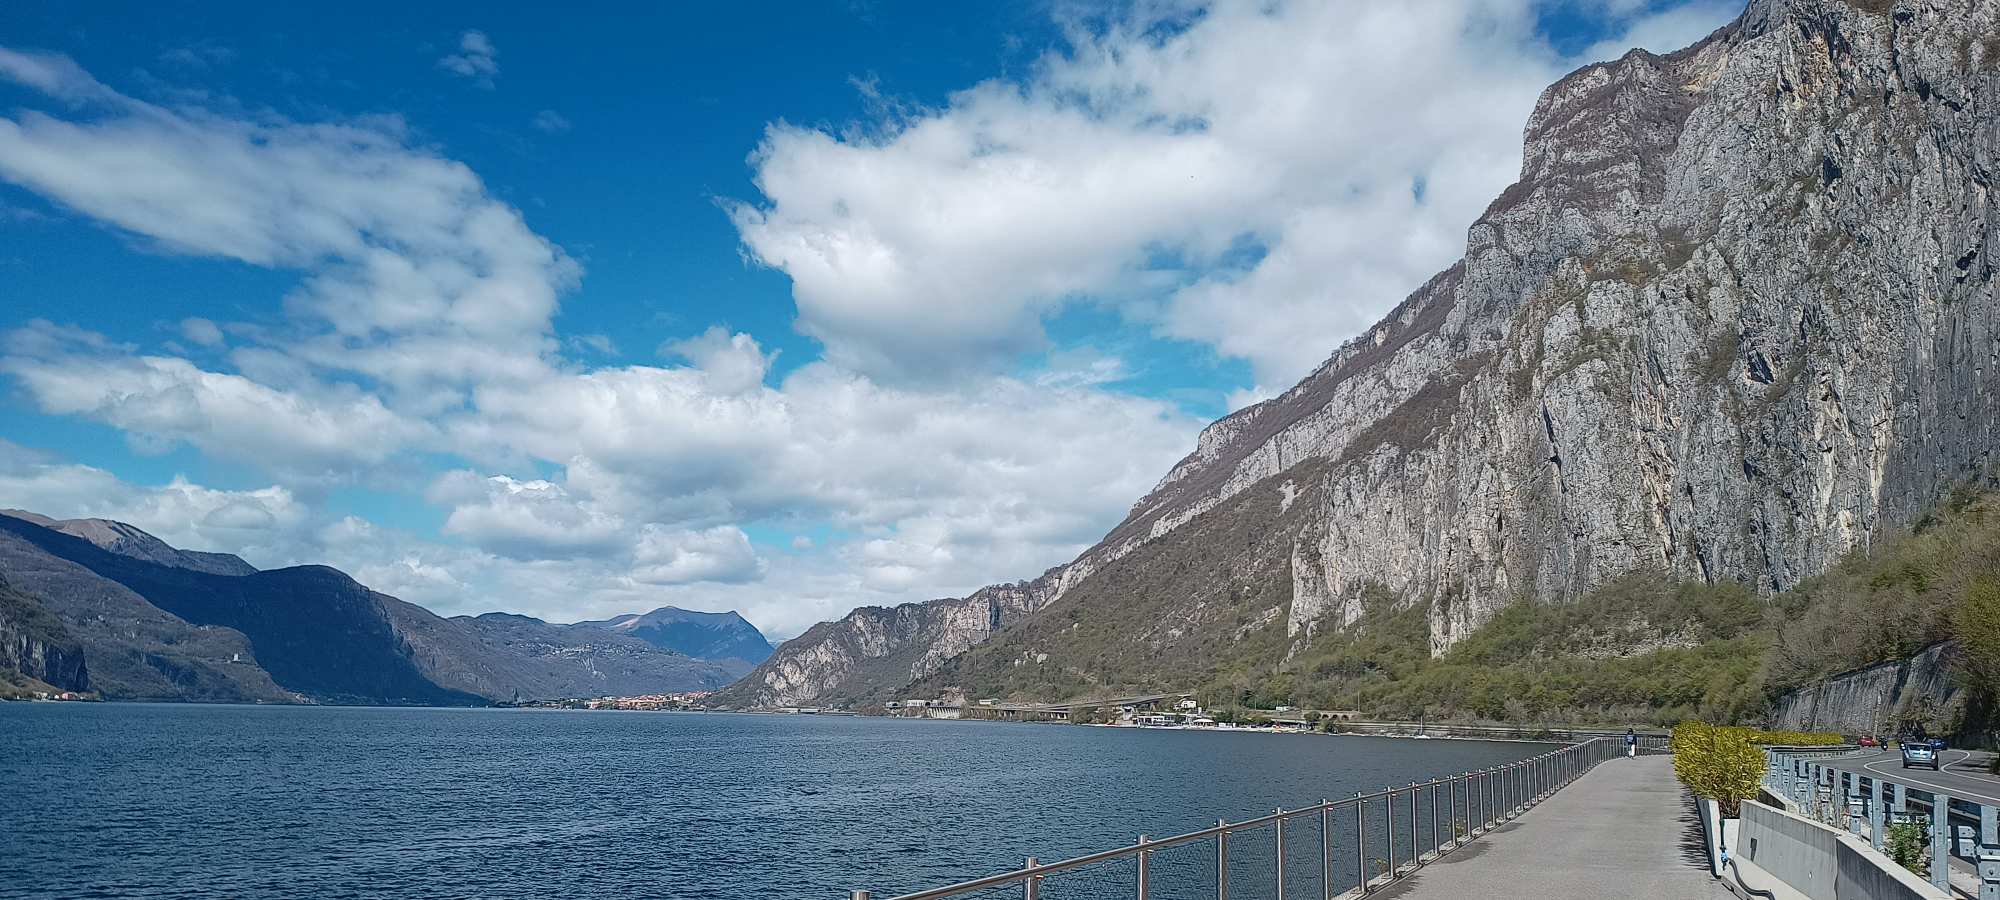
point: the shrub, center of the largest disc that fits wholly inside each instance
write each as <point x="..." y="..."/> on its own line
<point x="1907" y="844"/>
<point x="1720" y="764"/>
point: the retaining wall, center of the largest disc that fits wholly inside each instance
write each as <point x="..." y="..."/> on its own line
<point x="1820" y="862"/>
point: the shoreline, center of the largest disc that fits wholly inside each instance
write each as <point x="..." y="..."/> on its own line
<point x="1521" y="734"/>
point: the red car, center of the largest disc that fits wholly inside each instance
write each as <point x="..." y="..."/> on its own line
<point x="1869" y="742"/>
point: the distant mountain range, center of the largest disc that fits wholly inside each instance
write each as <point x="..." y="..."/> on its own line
<point x="717" y="636"/>
<point x="92" y="604"/>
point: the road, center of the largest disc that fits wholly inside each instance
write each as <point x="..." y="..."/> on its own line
<point x="1964" y="773"/>
<point x="1625" y="829"/>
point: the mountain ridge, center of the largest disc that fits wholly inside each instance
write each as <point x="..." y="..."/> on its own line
<point x="707" y="635"/>
<point x="128" y="540"/>
<point x="159" y="623"/>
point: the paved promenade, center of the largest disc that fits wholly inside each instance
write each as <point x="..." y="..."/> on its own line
<point x="1625" y="830"/>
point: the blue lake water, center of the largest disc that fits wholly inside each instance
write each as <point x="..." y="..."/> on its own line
<point x="128" y="800"/>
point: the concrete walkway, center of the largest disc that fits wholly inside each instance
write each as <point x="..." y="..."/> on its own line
<point x="1624" y="830"/>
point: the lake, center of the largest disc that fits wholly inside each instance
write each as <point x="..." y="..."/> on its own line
<point x="123" y="800"/>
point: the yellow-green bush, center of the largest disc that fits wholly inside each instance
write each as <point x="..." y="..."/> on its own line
<point x="1770" y="738"/>
<point x="1721" y="764"/>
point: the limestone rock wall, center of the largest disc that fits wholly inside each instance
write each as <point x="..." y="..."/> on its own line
<point x="1737" y="315"/>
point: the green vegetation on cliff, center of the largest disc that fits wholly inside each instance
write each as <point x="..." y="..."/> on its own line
<point x="1641" y="648"/>
<point x="1939" y="582"/>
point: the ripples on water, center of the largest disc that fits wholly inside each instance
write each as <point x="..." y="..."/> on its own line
<point x="117" y="800"/>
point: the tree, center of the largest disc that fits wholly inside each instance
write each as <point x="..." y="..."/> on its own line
<point x="1975" y="622"/>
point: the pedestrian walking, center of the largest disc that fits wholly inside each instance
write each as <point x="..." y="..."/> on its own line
<point x="1631" y="744"/>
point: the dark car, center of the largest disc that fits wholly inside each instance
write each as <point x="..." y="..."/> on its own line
<point x="1920" y="753"/>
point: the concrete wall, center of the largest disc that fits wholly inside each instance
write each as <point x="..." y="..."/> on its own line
<point x="1799" y="852"/>
<point x="1711" y="832"/>
<point x="1822" y="863"/>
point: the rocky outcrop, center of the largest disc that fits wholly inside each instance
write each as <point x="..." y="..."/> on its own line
<point x="1737" y="315"/>
<point x="1878" y="699"/>
<point x="874" y="650"/>
<point x="34" y="645"/>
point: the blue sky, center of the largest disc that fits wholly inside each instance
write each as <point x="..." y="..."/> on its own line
<point x="785" y="308"/>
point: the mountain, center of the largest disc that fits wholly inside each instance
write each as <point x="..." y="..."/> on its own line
<point x="36" y="651"/>
<point x="126" y="540"/>
<point x="133" y="649"/>
<point x="316" y="631"/>
<point x="1736" y="317"/>
<point x="502" y="655"/>
<point x="154" y="622"/>
<point x="713" y="636"/>
<point x="874" y="650"/>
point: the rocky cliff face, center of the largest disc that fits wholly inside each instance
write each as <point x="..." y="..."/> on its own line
<point x="874" y="650"/>
<point x="1878" y="699"/>
<point x="1737" y="315"/>
<point x="35" y="645"/>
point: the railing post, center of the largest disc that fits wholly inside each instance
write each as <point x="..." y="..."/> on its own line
<point x="1281" y="851"/>
<point x="1875" y="812"/>
<point x="1389" y="828"/>
<point x="1416" y="853"/>
<point x="1222" y="860"/>
<point x="1325" y="849"/>
<point x="1361" y="839"/>
<point x="1451" y="812"/>
<point x="1989" y="853"/>
<point x="1145" y="881"/>
<point x="1034" y="882"/>
<point x="1853" y="781"/>
<point x="859" y="895"/>
<point x="1941" y="841"/>
<point x="1436" y="847"/>
<point x="1492" y="798"/>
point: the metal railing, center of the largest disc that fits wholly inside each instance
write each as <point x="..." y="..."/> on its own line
<point x="1334" y="848"/>
<point x="1867" y="804"/>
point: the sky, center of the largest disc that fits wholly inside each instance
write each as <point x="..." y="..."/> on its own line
<point x="786" y="308"/>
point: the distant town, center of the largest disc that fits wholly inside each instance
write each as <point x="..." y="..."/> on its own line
<point x="1147" y="711"/>
<point x="683" y="700"/>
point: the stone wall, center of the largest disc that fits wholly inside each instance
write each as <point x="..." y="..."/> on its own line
<point x="1878" y="698"/>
